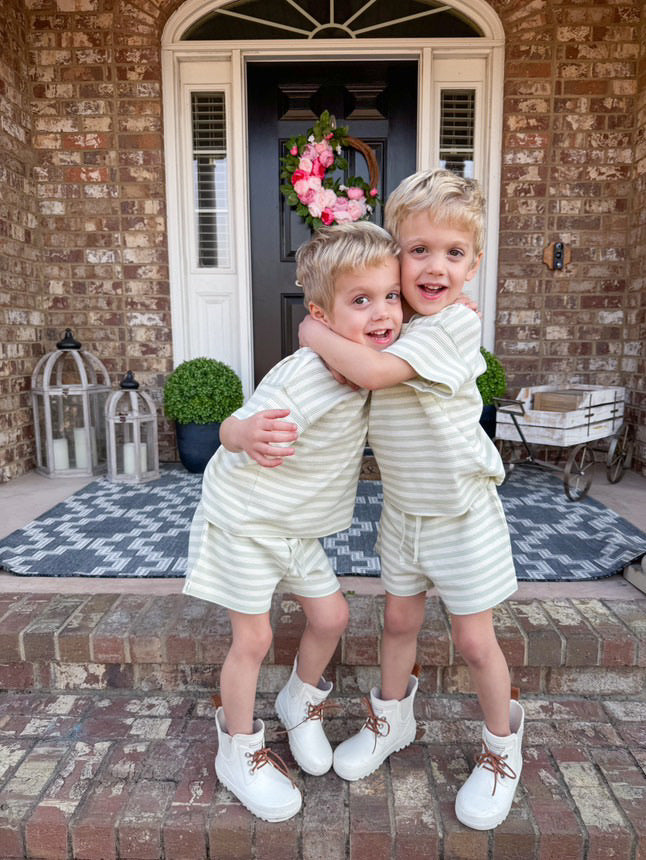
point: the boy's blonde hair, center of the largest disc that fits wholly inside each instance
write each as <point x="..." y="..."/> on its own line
<point x="445" y="196"/>
<point x="333" y="251"/>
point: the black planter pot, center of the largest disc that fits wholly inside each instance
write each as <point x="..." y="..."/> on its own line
<point x="197" y="443"/>
<point x="488" y="420"/>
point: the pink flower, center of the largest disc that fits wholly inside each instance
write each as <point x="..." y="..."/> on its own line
<point x="341" y="203"/>
<point x="305" y="164"/>
<point x="306" y="184"/>
<point x="308" y="196"/>
<point x="327" y="158"/>
<point x="342" y="215"/>
<point x="322" y="147"/>
<point x="297" y="175"/>
<point x="355" y="193"/>
<point x="325" y="199"/>
<point x="373" y="192"/>
<point x="318" y="169"/>
<point x="293" y="150"/>
<point x="357" y="209"/>
<point x="327" y="216"/>
<point x="310" y="152"/>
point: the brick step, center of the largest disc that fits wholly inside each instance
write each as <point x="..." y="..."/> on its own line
<point x="111" y="775"/>
<point x="173" y="643"/>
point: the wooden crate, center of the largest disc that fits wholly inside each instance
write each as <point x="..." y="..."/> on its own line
<point x="599" y="414"/>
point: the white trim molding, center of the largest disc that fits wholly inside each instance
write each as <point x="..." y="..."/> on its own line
<point x="442" y="62"/>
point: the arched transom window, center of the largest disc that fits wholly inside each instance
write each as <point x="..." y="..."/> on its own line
<point x="331" y="19"/>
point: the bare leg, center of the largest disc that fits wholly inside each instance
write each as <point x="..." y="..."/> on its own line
<point x="403" y="619"/>
<point x="327" y="618"/>
<point x="475" y="639"/>
<point x="239" y="676"/>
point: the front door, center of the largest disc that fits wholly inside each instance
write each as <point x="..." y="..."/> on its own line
<point x="378" y="103"/>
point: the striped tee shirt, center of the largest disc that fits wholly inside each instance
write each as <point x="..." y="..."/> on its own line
<point x="432" y="452"/>
<point x="312" y="493"/>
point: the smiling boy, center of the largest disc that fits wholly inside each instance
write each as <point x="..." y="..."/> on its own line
<point x="257" y="527"/>
<point x="442" y="522"/>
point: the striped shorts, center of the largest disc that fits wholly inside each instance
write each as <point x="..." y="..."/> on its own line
<point x="242" y="573"/>
<point x="467" y="558"/>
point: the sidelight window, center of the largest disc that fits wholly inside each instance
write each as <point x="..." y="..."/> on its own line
<point x="210" y="192"/>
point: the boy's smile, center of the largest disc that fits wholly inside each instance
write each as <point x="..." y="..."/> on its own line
<point x="436" y="261"/>
<point x="367" y="305"/>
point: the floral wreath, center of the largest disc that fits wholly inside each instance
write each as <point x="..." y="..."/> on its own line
<point x="319" y="200"/>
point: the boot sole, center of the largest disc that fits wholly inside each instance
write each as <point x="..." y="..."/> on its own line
<point x="366" y="773"/>
<point x="479" y="825"/>
<point x="266" y="816"/>
<point x="283" y="722"/>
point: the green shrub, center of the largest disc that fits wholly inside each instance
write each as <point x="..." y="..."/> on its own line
<point x="493" y="382"/>
<point x="201" y="390"/>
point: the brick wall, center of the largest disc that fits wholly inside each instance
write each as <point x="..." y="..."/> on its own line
<point x="21" y="316"/>
<point x="569" y="173"/>
<point x="635" y="345"/>
<point x="88" y="148"/>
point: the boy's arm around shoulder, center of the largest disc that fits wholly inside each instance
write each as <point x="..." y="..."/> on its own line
<point x="363" y="365"/>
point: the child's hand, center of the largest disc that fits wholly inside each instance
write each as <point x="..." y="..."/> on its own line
<point x="263" y="437"/>
<point x="468" y="302"/>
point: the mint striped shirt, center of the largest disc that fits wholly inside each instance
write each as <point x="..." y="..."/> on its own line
<point x="312" y="493"/>
<point x="432" y="453"/>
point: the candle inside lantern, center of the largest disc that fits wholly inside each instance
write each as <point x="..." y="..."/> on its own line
<point x="61" y="453"/>
<point x="80" y="448"/>
<point x="129" y="458"/>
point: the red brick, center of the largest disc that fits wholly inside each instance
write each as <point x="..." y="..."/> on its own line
<point x="323" y="812"/>
<point x="560" y="833"/>
<point x="370" y="825"/>
<point x="74" y="636"/>
<point x="231" y="829"/>
<point x="582" y="644"/>
<point x="39" y="638"/>
<point x="415" y="826"/>
<point x="545" y="645"/>
<point x="434" y="647"/>
<point x="47" y="828"/>
<point x="361" y="640"/>
<point x="110" y="637"/>
<point x="140" y="824"/>
<point x="18" y="617"/>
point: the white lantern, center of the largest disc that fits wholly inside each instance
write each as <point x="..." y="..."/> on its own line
<point x="131" y="430"/>
<point x="69" y="388"/>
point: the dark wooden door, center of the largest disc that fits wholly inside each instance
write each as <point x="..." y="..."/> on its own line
<point x="378" y="102"/>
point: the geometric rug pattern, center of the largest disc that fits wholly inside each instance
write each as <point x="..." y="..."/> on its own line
<point x="141" y="530"/>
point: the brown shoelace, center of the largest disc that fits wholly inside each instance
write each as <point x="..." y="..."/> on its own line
<point x="265" y="756"/>
<point x="496" y="764"/>
<point x="314" y="712"/>
<point x="374" y="723"/>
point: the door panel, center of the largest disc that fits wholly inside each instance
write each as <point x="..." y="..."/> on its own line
<point x="378" y="102"/>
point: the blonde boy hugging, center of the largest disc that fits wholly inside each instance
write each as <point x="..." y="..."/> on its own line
<point x="442" y="522"/>
<point x="257" y="528"/>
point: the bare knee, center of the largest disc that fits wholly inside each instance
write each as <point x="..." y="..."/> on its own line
<point x="253" y="642"/>
<point x="329" y="620"/>
<point x="403" y="618"/>
<point x="475" y="649"/>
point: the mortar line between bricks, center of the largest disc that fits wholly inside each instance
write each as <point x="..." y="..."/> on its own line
<point x="628" y="823"/>
<point x="574" y="806"/>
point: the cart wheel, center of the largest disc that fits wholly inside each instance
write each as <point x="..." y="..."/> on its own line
<point x="577" y="475"/>
<point x="506" y="449"/>
<point x="620" y="454"/>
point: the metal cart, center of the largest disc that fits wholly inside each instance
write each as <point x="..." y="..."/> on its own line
<point x="598" y="418"/>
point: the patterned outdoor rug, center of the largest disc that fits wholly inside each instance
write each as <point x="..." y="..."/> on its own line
<point x="141" y="530"/>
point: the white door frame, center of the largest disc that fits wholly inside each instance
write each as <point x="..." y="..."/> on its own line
<point x="220" y="324"/>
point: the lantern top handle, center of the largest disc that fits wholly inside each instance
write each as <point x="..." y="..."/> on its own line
<point x="68" y="341"/>
<point x="129" y="381"/>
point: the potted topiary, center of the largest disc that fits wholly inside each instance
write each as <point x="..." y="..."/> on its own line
<point x="492" y="383"/>
<point x="198" y="395"/>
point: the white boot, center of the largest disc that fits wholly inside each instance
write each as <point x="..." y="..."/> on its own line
<point x="390" y="727"/>
<point x="300" y="709"/>
<point x="257" y="776"/>
<point x="485" y="799"/>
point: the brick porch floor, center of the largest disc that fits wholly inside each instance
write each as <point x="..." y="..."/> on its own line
<point x="107" y="736"/>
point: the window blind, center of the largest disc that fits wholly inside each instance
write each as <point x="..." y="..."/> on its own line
<point x="210" y="179"/>
<point x="457" y="130"/>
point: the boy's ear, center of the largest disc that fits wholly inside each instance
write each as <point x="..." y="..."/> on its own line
<point x="474" y="268"/>
<point x="317" y="313"/>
